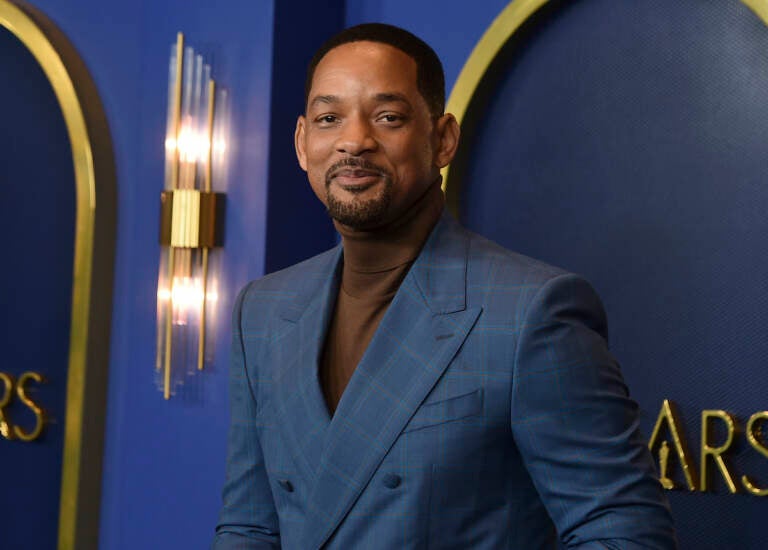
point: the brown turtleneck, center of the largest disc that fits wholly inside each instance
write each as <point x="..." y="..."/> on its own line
<point x="375" y="263"/>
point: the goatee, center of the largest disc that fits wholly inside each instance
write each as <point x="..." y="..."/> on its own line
<point x="359" y="213"/>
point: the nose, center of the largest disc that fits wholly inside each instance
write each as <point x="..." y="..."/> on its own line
<point x="356" y="137"/>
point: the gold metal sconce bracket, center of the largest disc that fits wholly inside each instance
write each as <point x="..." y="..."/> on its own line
<point x="190" y="218"/>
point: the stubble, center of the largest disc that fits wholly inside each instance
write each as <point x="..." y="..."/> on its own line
<point x="359" y="213"/>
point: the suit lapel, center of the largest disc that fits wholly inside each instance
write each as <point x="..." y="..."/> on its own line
<point x="419" y="335"/>
<point x="301" y="414"/>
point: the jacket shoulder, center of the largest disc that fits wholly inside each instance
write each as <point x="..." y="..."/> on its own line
<point x="492" y="262"/>
<point x="510" y="286"/>
<point x="292" y="277"/>
<point x="263" y="297"/>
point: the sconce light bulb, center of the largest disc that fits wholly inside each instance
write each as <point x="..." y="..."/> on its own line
<point x="193" y="146"/>
<point x="187" y="292"/>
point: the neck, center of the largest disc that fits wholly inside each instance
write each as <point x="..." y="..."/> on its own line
<point x="395" y="243"/>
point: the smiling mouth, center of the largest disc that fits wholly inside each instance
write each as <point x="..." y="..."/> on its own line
<point x="356" y="180"/>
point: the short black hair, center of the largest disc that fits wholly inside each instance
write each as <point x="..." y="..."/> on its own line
<point x="430" y="79"/>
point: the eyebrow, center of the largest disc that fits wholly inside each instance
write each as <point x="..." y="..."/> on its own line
<point x="324" y="99"/>
<point x="391" y="98"/>
<point x="383" y="97"/>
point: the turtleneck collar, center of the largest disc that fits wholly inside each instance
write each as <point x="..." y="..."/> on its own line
<point x="372" y="258"/>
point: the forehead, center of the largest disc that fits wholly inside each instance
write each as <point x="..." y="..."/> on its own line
<point x="364" y="66"/>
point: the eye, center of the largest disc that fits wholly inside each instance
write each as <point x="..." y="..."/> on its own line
<point x="391" y="119"/>
<point x="327" y="120"/>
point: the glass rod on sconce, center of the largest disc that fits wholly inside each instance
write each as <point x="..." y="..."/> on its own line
<point x="190" y="218"/>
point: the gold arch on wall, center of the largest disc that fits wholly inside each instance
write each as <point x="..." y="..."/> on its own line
<point x="485" y="51"/>
<point x="493" y="40"/>
<point x="94" y="172"/>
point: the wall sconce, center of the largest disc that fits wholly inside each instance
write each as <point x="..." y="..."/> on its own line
<point x="190" y="217"/>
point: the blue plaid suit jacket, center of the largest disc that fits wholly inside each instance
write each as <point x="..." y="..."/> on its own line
<point x="486" y="413"/>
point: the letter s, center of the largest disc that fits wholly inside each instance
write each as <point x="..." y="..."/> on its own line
<point x="21" y="392"/>
<point x="758" y="446"/>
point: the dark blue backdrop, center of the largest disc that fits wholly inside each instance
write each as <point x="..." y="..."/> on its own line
<point x="627" y="141"/>
<point x="163" y="463"/>
<point x="37" y="218"/>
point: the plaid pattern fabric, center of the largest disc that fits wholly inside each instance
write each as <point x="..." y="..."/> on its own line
<point x="486" y="412"/>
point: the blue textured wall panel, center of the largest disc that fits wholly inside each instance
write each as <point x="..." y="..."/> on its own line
<point x="37" y="218"/>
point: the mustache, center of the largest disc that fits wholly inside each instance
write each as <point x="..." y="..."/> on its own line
<point x="352" y="162"/>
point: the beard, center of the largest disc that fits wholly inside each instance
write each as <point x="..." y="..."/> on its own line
<point x="359" y="213"/>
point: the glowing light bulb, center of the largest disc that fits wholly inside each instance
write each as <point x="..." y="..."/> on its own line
<point x="186" y="299"/>
<point x="193" y="146"/>
<point x="187" y="292"/>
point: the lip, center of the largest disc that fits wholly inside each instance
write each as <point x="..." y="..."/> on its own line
<point x="355" y="179"/>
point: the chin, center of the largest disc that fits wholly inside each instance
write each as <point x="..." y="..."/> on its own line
<point x="359" y="214"/>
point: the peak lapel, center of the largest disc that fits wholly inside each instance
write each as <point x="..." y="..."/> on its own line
<point x="419" y="335"/>
<point x="298" y="405"/>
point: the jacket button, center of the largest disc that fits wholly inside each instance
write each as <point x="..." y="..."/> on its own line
<point x="286" y="485"/>
<point x="391" y="481"/>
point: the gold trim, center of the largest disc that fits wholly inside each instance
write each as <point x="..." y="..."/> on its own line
<point x="168" y="327"/>
<point x="211" y="109"/>
<point x="189" y="218"/>
<point x="177" y="108"/>
<point x="203" y="312"/>
<point x="91" y="153"/>
<point x="760" y="7"/>
<point x="207" y="189"/>
<point x="185" y="219"/>
<point x="175" y="170"/>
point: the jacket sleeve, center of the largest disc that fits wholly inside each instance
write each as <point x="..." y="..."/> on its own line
<point x="248" y="519"/>
<point x="577" y="428"/>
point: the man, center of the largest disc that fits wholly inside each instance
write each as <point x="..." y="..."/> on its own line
<point x="419" y="386"/>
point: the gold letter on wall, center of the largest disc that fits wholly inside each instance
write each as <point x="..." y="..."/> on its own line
<point x="716" y="452"/>
<point x="752" y="432"/>
<point x="5" y="425"/>
<point x="668" y="413"/>
<point x="21" y="392"/>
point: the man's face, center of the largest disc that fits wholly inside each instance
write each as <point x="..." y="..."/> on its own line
<point x="368" y="142"/>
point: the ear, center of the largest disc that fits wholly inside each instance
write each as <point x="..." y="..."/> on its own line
<point x="298" y="142"/>
<point x="447" y="133"/>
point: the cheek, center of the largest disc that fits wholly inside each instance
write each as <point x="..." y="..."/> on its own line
<point x="317" y="182"/>
<point x="415" y="161"/>
<point x="317" y="165"/>
<point x="316" y="146"/>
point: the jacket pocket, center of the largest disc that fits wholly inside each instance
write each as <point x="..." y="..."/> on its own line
<point x="447" y="410"/>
